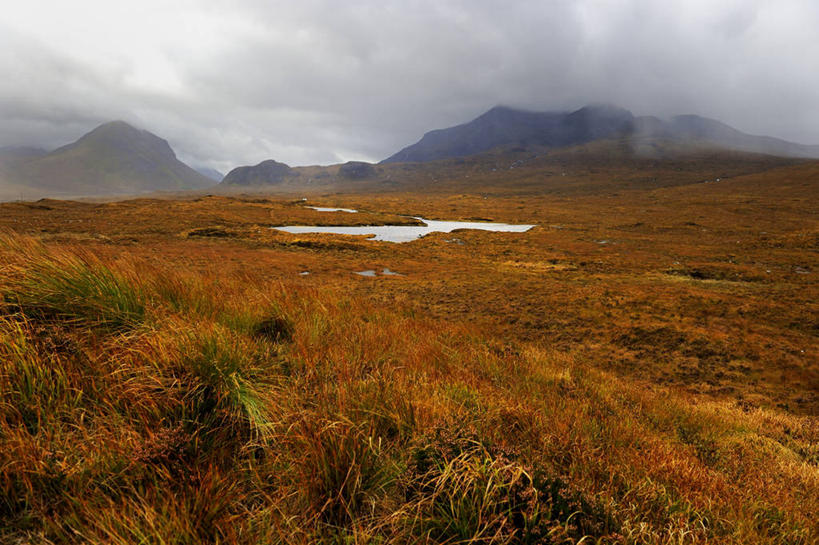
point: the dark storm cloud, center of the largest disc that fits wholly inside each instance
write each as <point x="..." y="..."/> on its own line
<point x="323" y="81"/>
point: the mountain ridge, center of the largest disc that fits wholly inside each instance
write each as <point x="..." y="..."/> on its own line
<point x="507" y="126"/>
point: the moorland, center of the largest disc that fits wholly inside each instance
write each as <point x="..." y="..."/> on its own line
<point x="640" y="367"/>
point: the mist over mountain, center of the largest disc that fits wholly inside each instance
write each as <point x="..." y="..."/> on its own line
<point x="504" y="126"/>
<point x="211" y="173"/>
<point x="113" y="159"/>
<point x="117" y="158"/>
<point x="20" y="152"/>
<point x="703" y="129"/>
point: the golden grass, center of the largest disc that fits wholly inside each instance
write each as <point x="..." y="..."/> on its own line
<point x="233" y="409"/>
<point x="706" y="287"/>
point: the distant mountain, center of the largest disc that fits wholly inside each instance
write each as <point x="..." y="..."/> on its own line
<point x="114" y="158"/>
<point x="265" y="173"/>
<point x="502" y="126"/>
<point x="211" y="173"/>
<point x="693" y="127"/>
<point x="507" y="127"/>
<point x="357" y="170"/>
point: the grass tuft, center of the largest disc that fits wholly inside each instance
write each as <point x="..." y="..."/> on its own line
<point x="275" y="328"/>
<point x="233" y="379"/>
<point x="463" y="493"/>
<point x="74" y="288"/>
<point x="344" y="469"/>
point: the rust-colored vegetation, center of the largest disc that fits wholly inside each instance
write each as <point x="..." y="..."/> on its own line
<point x="639" y="368"/>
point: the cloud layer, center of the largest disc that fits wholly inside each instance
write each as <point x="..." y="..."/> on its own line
<point x="321" y="81"/>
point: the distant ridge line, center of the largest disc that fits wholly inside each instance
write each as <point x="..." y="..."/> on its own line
<point x="507" y="126"/>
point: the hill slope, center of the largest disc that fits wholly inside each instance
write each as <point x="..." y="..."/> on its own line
<point x="508" y="127"/>
<point x="114" y="158"/>
<point x="11" y="159"/>
<point x="502" y="126"/>
<point x="265" y="173"/>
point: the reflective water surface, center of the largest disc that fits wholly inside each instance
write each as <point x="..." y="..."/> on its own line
<point x="325" y="209"/>
<point x="405" y="233"/>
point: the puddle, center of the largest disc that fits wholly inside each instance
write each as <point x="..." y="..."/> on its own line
<point x="405" y="233"/>
<point x="326" y="209"/>
<point x="372" y="273"/>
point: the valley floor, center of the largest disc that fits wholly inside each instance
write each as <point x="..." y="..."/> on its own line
<point x="641" y="367"/>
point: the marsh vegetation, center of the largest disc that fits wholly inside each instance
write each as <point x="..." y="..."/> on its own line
<point x="180" y="381"/>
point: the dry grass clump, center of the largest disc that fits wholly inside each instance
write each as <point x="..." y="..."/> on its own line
<point x="69" y="287"/>
<point x="172" y="407"/>
<point x="463" y="492"/>
<point x="344" y="468"/>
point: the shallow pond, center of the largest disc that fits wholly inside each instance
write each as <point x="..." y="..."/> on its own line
<point x="326" y="209"/>
<point x="405" y="233"/>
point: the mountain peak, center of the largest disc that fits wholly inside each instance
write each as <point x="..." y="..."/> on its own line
<point x="502" y="109"/>
<point x="120" y="136"/>
<point x="604" y="109"/>
<point x="503" y="126"/>
<point x="118" y="128"/>
<point x="117" y="124"/>
<point x="113" y="158"/>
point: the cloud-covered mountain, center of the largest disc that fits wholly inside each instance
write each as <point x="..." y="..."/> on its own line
<point x="115" y="158"/>
<point x="502" y="126"/>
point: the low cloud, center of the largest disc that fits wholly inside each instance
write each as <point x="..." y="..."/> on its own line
<point x="323" y="81"/>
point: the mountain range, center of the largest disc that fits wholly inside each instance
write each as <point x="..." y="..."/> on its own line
<point x="119" y="159"/>
<point x="508" y="127"/>
<point x="115" y="158"/>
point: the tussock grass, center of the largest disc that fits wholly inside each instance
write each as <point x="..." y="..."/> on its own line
<point x="467" y="494"/>
<point x="73" y="287"/>
<point x="231" y="373"/>
<point x="235" y="411"/>
<point x="344" y="469"/>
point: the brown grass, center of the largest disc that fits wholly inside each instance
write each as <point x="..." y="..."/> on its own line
<point x="516" y="388"/>
<point x="367" y="425"/>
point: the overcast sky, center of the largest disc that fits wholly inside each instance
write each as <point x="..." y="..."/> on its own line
<point x="233" y="82"/>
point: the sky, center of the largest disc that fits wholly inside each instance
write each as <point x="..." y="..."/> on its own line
<point x="235" y="82"/>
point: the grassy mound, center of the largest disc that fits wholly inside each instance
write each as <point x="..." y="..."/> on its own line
<point x="165" y="407"/>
